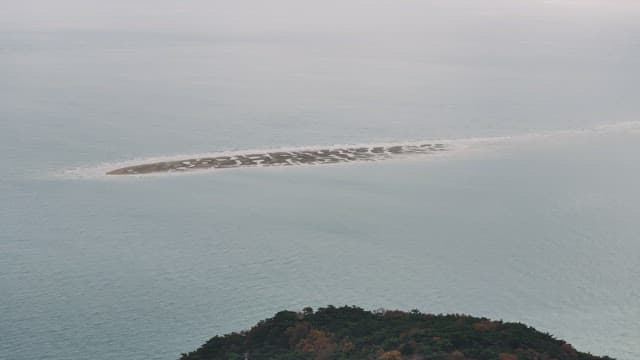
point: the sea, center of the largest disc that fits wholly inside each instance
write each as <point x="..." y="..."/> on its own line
<point x="533" y="216"/>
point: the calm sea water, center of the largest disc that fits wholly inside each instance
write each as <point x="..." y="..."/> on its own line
<point x="538" y="229"/>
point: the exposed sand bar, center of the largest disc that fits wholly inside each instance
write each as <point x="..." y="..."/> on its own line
<point x="282" y="158"/>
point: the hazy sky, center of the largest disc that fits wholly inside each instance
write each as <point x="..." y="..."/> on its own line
<point x="248" y="15"/>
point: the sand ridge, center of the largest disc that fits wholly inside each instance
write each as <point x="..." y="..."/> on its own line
<point x="282" y="158"/>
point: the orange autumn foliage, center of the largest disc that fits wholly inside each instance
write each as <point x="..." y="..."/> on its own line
<point x="297" y="332"/>
<point x="319" y="344"/>
<point x="485" y="325"/>
<point x="456" y="355"/>
<point x="391" y="355"/>
<point x="347" y="346"/>
<point x="507" y="356"/>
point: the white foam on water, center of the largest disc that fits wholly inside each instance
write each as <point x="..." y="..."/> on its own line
<point x="454" y="147"/>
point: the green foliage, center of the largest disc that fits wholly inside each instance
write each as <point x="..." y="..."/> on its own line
<point x="352" y="333"/>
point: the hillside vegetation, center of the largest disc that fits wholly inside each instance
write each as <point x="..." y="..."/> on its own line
<point x="353" y="333"/>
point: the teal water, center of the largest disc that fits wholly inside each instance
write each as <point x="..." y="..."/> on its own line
<point x="147" y="268"/>
<point x="537" y="221"/>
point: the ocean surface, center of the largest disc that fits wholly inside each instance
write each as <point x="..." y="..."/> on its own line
<point x="534" y="217"/>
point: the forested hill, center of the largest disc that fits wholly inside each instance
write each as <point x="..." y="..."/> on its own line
<point x="353" y="333"/>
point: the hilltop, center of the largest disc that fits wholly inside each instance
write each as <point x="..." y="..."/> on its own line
<point x="353" y="333"/>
